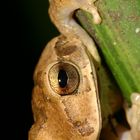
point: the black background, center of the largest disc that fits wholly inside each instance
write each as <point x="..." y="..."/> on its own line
<point x="26" y="30"/>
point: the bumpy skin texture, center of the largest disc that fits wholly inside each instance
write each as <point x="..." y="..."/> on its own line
<point x="70" y="117"/>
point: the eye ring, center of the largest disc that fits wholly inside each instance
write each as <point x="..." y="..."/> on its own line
<point x="64" y="78"/>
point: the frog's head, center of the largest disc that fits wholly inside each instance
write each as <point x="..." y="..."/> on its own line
<point x="68" y="81"/>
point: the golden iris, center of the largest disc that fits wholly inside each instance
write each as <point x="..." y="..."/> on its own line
<point x="64" y="78"/>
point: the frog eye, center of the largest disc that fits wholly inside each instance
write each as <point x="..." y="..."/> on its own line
<point x="63" y="78"/>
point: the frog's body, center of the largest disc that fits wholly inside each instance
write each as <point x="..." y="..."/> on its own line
<point x="67" y="107"/>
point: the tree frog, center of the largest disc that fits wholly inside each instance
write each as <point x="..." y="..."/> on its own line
<point x="65" y="100"/>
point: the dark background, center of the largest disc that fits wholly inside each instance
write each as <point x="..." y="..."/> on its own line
<point x="26" y="30"/>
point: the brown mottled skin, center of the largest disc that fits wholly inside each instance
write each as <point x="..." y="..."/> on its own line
<point x="70" y="117"/>
<point x="74" y="116"/>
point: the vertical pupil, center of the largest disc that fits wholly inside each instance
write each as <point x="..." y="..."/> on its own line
<point x="62" y="78"/>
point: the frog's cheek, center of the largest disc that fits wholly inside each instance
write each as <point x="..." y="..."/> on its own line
<point x="73" y="115"/>
<point x="82" y="112"/>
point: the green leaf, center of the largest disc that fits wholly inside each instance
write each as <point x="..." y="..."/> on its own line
<point x="118" y="38"/>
